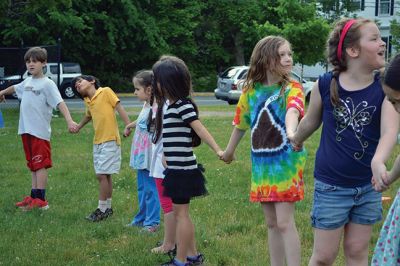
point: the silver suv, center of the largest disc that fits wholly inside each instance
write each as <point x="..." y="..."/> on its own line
<point x="68" y="71"/>
<point x="228" y="80"/>
<point x="230" y="90"/>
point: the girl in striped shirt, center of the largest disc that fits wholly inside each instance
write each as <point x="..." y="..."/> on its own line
<point x="181" y="130"/>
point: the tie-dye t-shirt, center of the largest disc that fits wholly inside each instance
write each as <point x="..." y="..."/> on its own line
<point x="277" y="170"/>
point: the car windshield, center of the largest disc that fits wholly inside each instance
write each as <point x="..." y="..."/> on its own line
<point x="71" y="68"/>
<point x="229" y="73"/>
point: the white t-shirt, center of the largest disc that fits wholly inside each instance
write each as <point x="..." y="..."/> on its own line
<point x="156" y="167"/>
<point x="39" y="96"/>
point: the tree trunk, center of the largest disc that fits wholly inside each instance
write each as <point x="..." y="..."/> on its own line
<point x="239" y="53"/>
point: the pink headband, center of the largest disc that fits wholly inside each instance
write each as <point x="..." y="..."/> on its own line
<point x="342" y="36"/>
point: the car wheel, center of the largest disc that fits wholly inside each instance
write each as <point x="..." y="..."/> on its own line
<point x="231" y="102"/>
<point x="67" y="92"/>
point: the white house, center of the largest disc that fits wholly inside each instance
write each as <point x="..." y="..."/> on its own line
<point x="382" y="11"/>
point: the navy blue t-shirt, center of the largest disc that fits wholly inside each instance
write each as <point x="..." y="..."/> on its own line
<point x="350" y="134"/>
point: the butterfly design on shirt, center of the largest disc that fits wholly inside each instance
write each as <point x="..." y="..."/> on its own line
<point x="356" y="117"/>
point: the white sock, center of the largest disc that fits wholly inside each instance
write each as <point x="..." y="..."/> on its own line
<point x="109" y="203"/>
<point x="102" y="205"/>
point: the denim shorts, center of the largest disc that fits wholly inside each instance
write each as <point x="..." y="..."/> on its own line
<point x="335" y="206"/>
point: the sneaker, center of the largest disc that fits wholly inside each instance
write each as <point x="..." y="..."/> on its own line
<point x="37" y="203"/>
<point x="172" y="262"/>
<point x="25" y="202"/>
<point x="150" y="228"/>
<point x="109" y="212"/>
<point x="198" y="261"/>
<point x="96" y="216"/>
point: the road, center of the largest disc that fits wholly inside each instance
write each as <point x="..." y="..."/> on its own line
<point x="126" y="102"/>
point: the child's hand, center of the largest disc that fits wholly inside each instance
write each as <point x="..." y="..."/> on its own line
<point x="73" y="127"/>
<point x="380" y="179"/>
<point x="220" y="154"/>
<point x="127" y="131"/>
<point x="2" y="98"/>
<point x="295" y="145"/>
<point x="227" y="157"/>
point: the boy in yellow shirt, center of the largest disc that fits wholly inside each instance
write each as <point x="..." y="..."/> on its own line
<point x="101" y="103"/>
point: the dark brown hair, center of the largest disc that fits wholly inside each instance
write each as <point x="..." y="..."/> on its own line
<point x="173" y="78"/>
<point x="391" y="76"/>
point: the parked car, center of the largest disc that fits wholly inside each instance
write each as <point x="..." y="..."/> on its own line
<point x="68" y="71"/>
<point x="232" y="95"/>
<point x="228" y="80"/>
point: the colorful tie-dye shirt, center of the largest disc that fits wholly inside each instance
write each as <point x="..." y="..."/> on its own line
<point x="277" y="170"/>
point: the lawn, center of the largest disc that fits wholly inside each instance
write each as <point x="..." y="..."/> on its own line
<point x="229" y="229"/>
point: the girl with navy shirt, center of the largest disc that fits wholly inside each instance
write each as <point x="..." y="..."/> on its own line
<point x="358" y="133"/>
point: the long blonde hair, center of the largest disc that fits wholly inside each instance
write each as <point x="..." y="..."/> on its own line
<point x="265" y="57"/>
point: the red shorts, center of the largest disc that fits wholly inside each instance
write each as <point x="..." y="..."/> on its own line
<point x="37" y="152"/>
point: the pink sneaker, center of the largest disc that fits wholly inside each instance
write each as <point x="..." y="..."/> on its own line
<point x="37" y="203"/>
<point x="25" y="202"/>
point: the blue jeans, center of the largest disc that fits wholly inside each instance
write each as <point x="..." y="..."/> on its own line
<point x="1" y="120"/>
<point x="335" y="206"/>
<point x="149" y="204"/>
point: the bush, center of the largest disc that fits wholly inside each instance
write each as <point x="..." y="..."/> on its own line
<point x="205" y="83"/>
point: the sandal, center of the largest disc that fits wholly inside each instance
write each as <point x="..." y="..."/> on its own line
<point x="161" y="250"/>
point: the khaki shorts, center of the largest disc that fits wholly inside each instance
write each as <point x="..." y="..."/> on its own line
<point x="107" y="158"/>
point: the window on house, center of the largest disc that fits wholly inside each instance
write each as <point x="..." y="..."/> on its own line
<point x="384" y="7"/>
<point x="356" y="5"/>
<point x="388" y="52"/>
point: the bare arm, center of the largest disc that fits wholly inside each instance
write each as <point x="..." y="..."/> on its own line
<point x="203" y="133"/>
<point x="83" y="122"/>
<point x="72" y="126"/>
<point x="8" y="91"/>
<point x="236" y="136"/>
<point x="312" y="119"/>
<point x="389" y="129"/>
<point x="292" y="120"/>
<point x="122" y="113"/>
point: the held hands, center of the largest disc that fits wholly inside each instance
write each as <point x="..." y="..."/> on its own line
<point x="127" y="131"/>
<point x="380" y="179"/>
<point x="73" y="127"/>
<point x="227" y="157"/>
<point x="292" y="138"/>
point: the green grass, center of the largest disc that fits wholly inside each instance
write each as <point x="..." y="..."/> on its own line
<point x="229" y="229"/>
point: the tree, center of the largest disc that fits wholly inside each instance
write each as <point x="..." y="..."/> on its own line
<point x="305" y="30"/>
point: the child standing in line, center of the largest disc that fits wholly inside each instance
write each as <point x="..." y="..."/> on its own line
<point x="359" y="131"/>
<point x="148" y="215"/>
<point x="38" y="95"/>
<point x="181" y="129"/>
<point x="101" y="104"/>
<point x="272" y="105"/>
<point x="387" y="249"/>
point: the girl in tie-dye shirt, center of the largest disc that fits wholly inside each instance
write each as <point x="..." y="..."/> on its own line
<point x="271" y="105"/>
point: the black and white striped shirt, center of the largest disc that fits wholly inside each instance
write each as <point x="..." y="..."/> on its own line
<point x="177" y="137"/>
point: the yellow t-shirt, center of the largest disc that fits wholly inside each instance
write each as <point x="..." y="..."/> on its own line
<point x="101" y="108"/>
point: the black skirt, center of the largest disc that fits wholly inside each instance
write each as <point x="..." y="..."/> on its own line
<point x="184" y="184"/>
